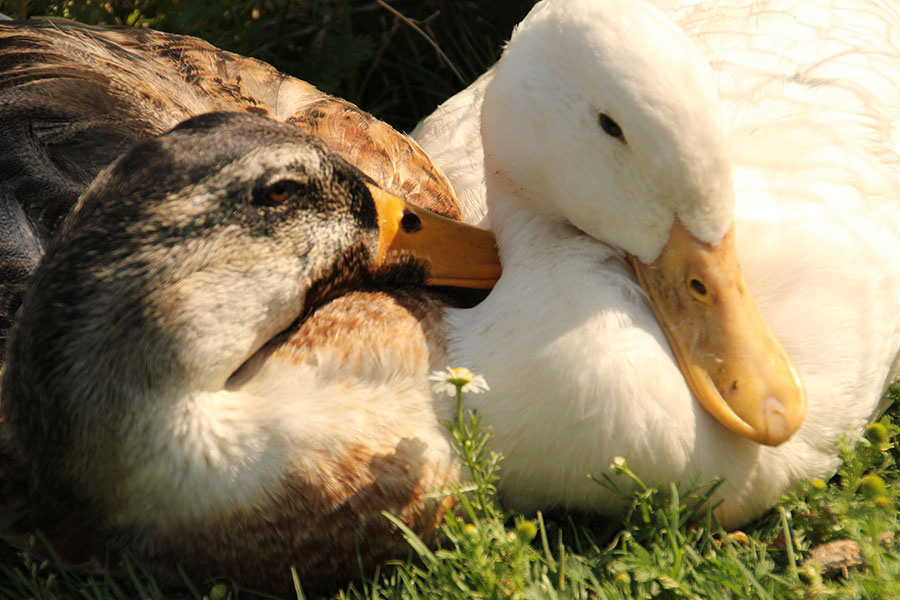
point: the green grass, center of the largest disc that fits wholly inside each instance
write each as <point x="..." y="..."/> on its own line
<point x="667" y="545"/>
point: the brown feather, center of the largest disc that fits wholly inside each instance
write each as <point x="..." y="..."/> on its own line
<point x="73" y="97"/>
<point x="155" y="80"/>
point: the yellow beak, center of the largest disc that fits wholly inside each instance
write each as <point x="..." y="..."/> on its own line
<point x="457" y="254"/>
<point x="733" y="364"/>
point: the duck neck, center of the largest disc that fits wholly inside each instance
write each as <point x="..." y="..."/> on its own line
<point x="525" y="237"/>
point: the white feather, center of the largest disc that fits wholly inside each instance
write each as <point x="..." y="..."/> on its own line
<point x="806" y="97"/>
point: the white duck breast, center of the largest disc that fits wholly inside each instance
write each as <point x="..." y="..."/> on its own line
<point x="591" y="134"/>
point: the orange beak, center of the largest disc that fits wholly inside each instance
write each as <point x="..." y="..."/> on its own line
<point x="457" y="254"/>
<point x="730" y="359"/>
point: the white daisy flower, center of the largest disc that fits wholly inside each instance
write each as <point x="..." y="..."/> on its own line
<point x="460" y="377"/>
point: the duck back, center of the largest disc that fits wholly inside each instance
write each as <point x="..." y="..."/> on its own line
<point x="74" y="97"/>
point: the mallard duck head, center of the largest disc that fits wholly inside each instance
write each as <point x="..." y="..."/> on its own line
<point x="185" y="257"/>
<point x="602" y="113"/>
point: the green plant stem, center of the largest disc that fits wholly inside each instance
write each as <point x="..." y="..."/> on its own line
<point x="427" y="38"/>
<point x="472" y="460"/>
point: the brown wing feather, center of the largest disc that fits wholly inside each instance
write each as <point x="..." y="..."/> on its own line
<point x="392" y="159"/>
<point x="73" y="97"/>
<point x="161" y="79"/>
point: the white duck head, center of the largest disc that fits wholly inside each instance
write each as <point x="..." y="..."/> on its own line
<point x="602" y="114"/>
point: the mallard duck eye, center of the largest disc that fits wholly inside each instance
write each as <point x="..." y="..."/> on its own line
<point x="610" y="127"/>
<point x="278" y="192"/>
<point x="275" y="193"/>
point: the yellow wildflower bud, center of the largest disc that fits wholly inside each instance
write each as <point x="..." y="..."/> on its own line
<point x="218" y="592"/>
<point x="872" y="486"/>
<point x="877" y="434"/>
<point x="526" y="530"/>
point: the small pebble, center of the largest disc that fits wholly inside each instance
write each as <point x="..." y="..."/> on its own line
<point x="835" y="557"/>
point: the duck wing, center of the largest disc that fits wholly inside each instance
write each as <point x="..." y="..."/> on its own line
<point x="109" y="85"/>
<point x="451" y="136"/>
<point x="73" y="97"/>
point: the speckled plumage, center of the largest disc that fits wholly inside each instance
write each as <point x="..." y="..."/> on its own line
<point x="73" y="97"/>
<point x="182" y="386"/>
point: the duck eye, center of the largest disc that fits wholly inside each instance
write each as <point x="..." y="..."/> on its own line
<point x="611" y="128"/>
<point x="276" y="193"/>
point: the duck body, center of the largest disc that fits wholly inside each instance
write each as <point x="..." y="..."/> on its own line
<point x="74" y="97"/>
<point x="806" y="94"/>
<point x="213" y="372"/>
<point x="287" y="462"/>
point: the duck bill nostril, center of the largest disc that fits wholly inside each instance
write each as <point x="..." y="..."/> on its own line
<point x="410" y="222"/>
<point x="455" y="253"/>
<point x="729" y="358"/>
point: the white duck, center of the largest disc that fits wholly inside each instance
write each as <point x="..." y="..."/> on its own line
<point x="607" y="130"/>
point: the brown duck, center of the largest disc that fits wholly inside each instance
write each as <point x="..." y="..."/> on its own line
<point x="220" y="363"/>
<point x="73" y="97"/>
<point x="183" y="387"/>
